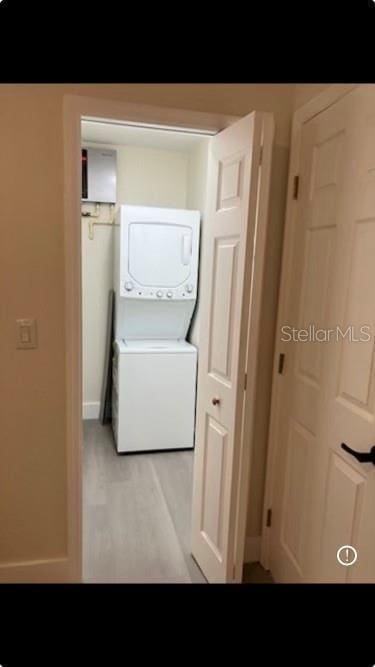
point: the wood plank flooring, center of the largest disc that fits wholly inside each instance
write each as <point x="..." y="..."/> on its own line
<point x="136" y="513"/>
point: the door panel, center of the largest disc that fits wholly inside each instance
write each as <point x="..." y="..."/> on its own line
<point x="318" y="254"/>
<point x="300" y="445"/>
<point x="322" y="496"/>
<point x="345" y="489"/>
<point x="234" y="177"/>
<point x="216" y="438"/>
<point x="356" y="379"/>
<point x="223" y="290"/>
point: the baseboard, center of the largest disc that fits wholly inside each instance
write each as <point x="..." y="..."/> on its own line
<point x="55" y="570"/>
<point x="252" y="549"/>
<point x="91" y="410"/>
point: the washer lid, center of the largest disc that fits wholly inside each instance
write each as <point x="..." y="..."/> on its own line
<point x="156" y="346"/>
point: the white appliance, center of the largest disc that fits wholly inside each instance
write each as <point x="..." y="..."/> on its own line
<point x="154" y="389"/>
<point x="155" y="281"/>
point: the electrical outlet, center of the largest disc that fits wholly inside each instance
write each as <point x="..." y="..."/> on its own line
<point x="26" y="334"/>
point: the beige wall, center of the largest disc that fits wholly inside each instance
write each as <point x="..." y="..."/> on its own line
<point x="97" y="272"/>
<point x="306" y="91"/>
<point x="146" y="177"/>
<point x="152" y="177"/>
<point x="32" y="383"/>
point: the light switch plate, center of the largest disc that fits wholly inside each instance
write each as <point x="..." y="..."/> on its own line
<point x="26" y="334"/>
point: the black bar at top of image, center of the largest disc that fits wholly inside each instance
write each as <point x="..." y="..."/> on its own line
<point x="270" y="42"/>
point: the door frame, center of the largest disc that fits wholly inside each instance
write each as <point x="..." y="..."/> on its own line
<point x="312" y="108"/>
<point x="76" y="107"/>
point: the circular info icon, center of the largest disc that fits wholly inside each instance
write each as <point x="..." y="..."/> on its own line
<point x="347" y="555"/>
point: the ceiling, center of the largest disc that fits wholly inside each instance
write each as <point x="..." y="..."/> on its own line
<point x="125" y="135"/>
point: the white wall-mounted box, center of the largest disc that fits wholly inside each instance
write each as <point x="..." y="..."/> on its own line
<point x="99" y="167"/>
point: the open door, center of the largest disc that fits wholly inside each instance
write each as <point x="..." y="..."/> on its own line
<point x="233" y="237"/>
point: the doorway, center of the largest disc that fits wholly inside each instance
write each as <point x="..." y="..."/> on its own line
<point x="138" y="470"/>
<point x="237" y="193"/>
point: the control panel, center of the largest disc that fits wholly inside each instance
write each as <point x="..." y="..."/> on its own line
<point x="131" y="290"/>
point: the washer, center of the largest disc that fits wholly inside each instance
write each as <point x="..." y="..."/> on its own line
<point x="153" y="402"/>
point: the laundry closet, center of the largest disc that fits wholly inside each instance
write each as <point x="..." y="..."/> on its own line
<point x="143" y="201"/>
<point x="174" y="224"/>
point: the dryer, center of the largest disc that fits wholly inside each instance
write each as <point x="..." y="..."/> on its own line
<point x="156" y="271"/>
<point x="155" y="281"/>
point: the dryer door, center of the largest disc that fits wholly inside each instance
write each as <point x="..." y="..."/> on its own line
<point x="160" y="253"/>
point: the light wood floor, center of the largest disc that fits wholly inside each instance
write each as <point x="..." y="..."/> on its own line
<point x="136" y="513"/>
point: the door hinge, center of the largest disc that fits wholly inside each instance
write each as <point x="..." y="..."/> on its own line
<point x="261" y="155"/>
<point x="295" y="187"/>
<point x="234" y="572"/>
<point x="269" y="518"/>
<point x="281" y="363"/>
<point x="245" y="382"/>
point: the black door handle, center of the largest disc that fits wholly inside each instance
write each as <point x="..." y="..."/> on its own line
<point x="362" y="457"/>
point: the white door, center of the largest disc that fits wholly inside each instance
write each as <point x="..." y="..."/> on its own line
<point x="230" y="231"/>
<point x="323" y="498"/>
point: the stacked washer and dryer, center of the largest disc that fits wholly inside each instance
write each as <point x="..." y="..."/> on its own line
<point x="156" y="253"/>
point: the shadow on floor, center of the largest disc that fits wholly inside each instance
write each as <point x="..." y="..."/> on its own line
<point x="254" y="573"/>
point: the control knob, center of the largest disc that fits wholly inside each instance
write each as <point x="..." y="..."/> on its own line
<point x="189" y="288"/>
<point x="129" y="286"/>
<point x="159" y="294"/>
<point x="169" y="294"/>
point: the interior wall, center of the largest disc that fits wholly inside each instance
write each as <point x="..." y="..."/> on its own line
<point x="306" y="91"/>
<point x="196" y="200"/>
<point x="33" y="478"/>
<point x="97" y="271"/>
<point x="145" y="177"/>
<point x="152" y="177"/>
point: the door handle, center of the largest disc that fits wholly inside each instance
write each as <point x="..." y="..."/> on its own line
<point x="186" y="248"/>
<point x="362" y="457"/>
<point x="216" y="401"/>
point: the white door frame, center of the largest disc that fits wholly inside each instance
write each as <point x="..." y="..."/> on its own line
<point x="75" y="107"/>
<point x="312" y="108"/>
